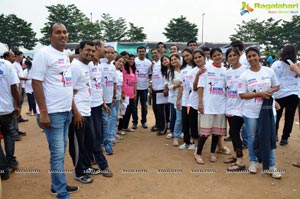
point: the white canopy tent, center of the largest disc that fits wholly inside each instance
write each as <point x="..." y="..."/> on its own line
<point x="3" y="48"/>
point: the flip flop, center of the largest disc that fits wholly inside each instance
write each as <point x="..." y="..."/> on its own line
<point x="238" y="167"/>
<point x="296" y="164"/>
<point x="213" y="159"/>
<point x="230" y="160"/>
<point x="199" y="160"/>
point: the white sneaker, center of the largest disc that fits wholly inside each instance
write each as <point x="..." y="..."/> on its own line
<point x="121" y="132"/>
<point x="181" y="135"/>
<point x="274" y="172"/>
<point x="169" y="136"/>
<point x="118" y="137"/>
<point x="252" y="167"/>
<point x="183" y="146"/>
<point x="192" y="147"/>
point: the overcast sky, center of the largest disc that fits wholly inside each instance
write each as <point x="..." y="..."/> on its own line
<point x="220" y="19"/>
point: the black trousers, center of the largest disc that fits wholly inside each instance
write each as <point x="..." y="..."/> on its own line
<point x="159" y="112"/>
<point x="123" y="123"/>
<point x="81" y="144"/>
<point x="192" y="129"/>
<point x="288" y="103"/>
<point x="213" y="146"/>
<point x="235" y="125"/>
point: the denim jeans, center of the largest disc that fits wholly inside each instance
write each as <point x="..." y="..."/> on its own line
<point x="97" y="125"/>
<point x="106" y="117"/>
<point x="8" y="132"/>
<point x="142" y="95"/>
<point x="178" y="124"/>
<point x="251" y="126"/>
<point x="112" y="122"/>
<point x="31" y="102"/>
<point x="173" y="117"/>
<point x="57" y="137"/>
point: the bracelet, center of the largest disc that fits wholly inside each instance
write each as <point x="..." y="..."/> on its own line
<point x="43" y="110"/>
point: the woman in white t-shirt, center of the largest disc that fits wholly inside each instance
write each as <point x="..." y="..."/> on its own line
<point x="211" y="91"/>
<point x="188" y="64"/>
<point x="234" y="108"/>
<point x="256" y="84"/>
<point x="175" y="83"/>
<point x="28" y="89"/>
<point x="287" y="96"/>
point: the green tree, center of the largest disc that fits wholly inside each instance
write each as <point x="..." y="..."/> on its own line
<point x="290" y="32"/>
<point x="113" y="30"/>
<point x="135" y="34"/>
<point x="90" y="31"/>
<point x="16" y="32"/>
<point x="74" y="20"/>
<point x="179" y="29"/>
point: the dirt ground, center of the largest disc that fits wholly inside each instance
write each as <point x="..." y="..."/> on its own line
<point x="147" y="166"/>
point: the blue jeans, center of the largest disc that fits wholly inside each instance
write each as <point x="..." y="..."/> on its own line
<point x="250" y="127"/>
<point x="173" y="117"/>
<point x="106" y="117"/>
<point x="178" y="124"/>
<point x="57" y="137"/>
<point x="142" y="95"/>
<point x="112" y="122"/>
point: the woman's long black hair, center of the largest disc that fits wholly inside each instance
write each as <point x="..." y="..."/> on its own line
<point x="127" y="66"/>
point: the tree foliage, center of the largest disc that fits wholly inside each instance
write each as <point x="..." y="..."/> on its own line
<point x="180" y="30"/>
<point x="113" y="29"/>
<point x="16" y="32"/>
<point x="135" y="34"/>
<point x="272" y="34"/>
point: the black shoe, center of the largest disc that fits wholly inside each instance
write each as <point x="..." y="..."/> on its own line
<point x="244" y="146"/>
<point x="5" y="174"/>
<point x="14" y="165"/>
<point x="70" y="189"/>
<point x="283" y="142"/>
<point x="20" y="119"/>
<point x="92" y="171"/>
<point x="134" y="126"/>
<point x="154" y="129"/>
<point x="144" y="125"/>
<point x="228" y="139"/>
<point x="106" y="172"/>
<point x="84" y="179"/>
<point x="22" y="133"/>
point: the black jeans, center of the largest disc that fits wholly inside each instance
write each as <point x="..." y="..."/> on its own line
<point x="192" y="129"/>
<point x="159" y="112"/>
<point x="290" y="104"/>
<point x="142" y="95"/>
<point x="235" y="125"/>
<point x="31" y="102"/>
<point x="81" y="145"/>
<point x="124" y="122"/>
<point x="99" y="157"/>
<point x="8" y="132"/>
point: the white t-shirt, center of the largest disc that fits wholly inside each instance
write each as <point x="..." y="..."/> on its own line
<point x="213" y="83"/>
<point x="19" y="71"/>
<point x="109" y="77"/>
<point x="171" y="83"/>
<point x="96" y="86"/>
<point x="252" y="82"/>
<point x="186" y="85"/>
<point x="28" y="87"/>
<point x="82" y="83"/>
<point x="243" y="60"/>
<point x="158" y="81"/>
<point x="52" y="67"/>
<point x="143" y="70"/>
<point x="8" y="77"/>
<point x="193" y="98"/>
<point x="234" y="103"/>
<point x="119" y="84"/>
<point x="287" y="80"/>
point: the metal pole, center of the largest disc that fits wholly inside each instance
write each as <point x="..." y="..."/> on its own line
<point x="91" y="17"/>
<point x="202" y="27"/>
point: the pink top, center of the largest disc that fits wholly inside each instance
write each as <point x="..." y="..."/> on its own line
<point x="128" y="82"/>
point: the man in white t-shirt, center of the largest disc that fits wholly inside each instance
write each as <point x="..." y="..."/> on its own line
<point x="9" y="108"/>
<point x="52" y="86"/>
<point x="143" y="74"/>
<point x="81" y="131"/>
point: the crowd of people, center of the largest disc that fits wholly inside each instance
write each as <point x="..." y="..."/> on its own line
<point x="87" y="100"/>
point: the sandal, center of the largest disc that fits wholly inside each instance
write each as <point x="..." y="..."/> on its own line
<point x="213" y="158"/>
<point x="198" y="159"/>
<point x="230" y="160"/>
<point x="236" y="167"/>
<point x="296" y="164"/>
